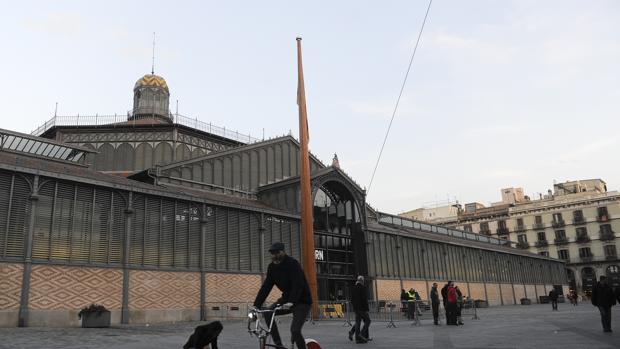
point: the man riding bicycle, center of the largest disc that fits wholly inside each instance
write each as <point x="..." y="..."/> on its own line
<point x="285" y="272"/>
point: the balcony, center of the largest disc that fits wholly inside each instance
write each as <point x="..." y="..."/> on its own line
<point x="611" y="258"/>
<point x="558" y="224"/>
<point x="582" y="239"/>
<point x="520" y="228"/>
<point x="503" y="231"/>
<point x="524" y="245"/>
<point x="586" y="258"/>
<point x="579" y="221"/>
<point x="603" y="218"/>
<point x="538" y="226"/>
<point x="542" y="243"/>
<point x="561" y="240"/>
<point x="607" y="235"/>
<point x="485" y="231"/>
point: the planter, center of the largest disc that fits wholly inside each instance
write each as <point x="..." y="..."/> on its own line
<point x="96" y="319"/>
<point x="526" y="301"/>
<point x="481" y="303"/>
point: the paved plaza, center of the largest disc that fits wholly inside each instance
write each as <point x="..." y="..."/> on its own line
<point x="534" y="326"/>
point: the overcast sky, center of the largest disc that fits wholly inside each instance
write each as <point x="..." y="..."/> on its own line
<point x="502" y="93"/>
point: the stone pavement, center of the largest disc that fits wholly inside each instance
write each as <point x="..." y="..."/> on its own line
<point x="534" y="326"/>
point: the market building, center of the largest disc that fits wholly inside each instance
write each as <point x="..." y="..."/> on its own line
<point x="161" y="217"/>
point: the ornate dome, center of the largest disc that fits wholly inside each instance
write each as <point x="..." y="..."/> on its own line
<point x="151" y="80"/>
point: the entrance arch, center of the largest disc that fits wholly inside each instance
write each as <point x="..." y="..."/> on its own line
<point x="570" y="275"/>
<point x="613" y="275"/>
<point x="338" y="239"/>
<point x="588" y="279"/>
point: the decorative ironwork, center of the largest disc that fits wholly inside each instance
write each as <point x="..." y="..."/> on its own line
<point x="121" y="120"/>
<point x="542" y="243"/>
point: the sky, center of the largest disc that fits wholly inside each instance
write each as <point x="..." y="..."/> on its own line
<point x="501" y="93"/>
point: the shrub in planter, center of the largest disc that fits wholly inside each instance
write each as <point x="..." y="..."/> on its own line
<point x="526" y="301"/>
<point x="95" y="315"/>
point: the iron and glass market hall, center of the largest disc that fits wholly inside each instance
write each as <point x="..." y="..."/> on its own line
<point x="161" y="217"/>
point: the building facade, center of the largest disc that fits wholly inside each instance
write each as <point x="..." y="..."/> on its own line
<point x="159" y="219"/>
<point x="576" y="223"/>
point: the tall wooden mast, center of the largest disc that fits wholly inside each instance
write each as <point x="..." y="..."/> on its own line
<point x="307" y="232"/>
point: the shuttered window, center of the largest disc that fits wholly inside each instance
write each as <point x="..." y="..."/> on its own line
<point x="14" y="214"/>
<point x="138" y="230"/>
<point x="166" y="247"/>
<point x="193" y="242"/>
<point x="152" y="231"/>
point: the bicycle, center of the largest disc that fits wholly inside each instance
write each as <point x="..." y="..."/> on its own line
<point x="262" y="329"/>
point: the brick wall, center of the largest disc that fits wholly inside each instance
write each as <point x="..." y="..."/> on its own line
<point x="388" y="289"/>
<point x="477" y="291"/>
<point x="234" y="287"/>
<point x="530" y="291"/>
<point x="10" y="285"/>
<point x="493" y="294"/>
<point x="540" y="289"/>
<point x="72" y="288"/>
<point x="163" y="290"/>
<point x="519" y="292"/>
<point x="507" y="295"/>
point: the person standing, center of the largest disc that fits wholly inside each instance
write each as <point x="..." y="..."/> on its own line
<point x="435" y="303"/>
<point x="553" y="297"/>
<point x="604" y="298"/>
<point x="403" y="301"/>
<point x="285" y="272"/>
<point x="459" y="305"/>
<point x="411" y="304"/>
<point x="451" y="309"/>
<point x="444" y="297"/>
<point x="359" y="301"/>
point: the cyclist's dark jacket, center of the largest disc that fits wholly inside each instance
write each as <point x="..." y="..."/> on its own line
<point x="289" y="278"/>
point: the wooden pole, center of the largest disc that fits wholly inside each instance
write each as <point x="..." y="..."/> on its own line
<point x="307" y="233"/>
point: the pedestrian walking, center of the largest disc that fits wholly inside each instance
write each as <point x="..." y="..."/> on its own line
<point x="459" y="305"/>
<point x="359" y="300"/>
<point x="604" y="298"/>
<point x="553" y="297"/>
<point x="435" y="303"/>
<point x="452" y="299"/>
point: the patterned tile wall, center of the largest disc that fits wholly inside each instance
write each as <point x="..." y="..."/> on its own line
<point x="234" y="288"/>
<point x="10" y="285"/>
<point x="388" y="289"/>
<point x="60" y="287"/>
<point x="163" y="290"/>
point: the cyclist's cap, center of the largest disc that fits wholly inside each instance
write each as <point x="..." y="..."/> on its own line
<point x="277" y="246"/>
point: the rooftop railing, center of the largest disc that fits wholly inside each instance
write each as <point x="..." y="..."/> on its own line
<point x="121" y="120"/>
<point x="431" y="228"/>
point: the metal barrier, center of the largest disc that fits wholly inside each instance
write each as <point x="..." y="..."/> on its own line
<point x="385" y="311"/>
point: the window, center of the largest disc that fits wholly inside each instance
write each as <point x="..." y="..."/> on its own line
<point x="602" y="214"/>
<point x="610" y="251"/>
<point x="544" y="253"/>
<point x="467" y="227"/>
<point x="585" y="252"/>
<point x="563" y="254"/>
<point x="557" y="217"/>
<point x="542" y="236"/>
<point x="578" y="216"/>
<point x="484" y="228"/>
<point x="501" y="224"/>
<point x="605" y="228"/>
<point x="560" y="234"/>
<point x="522" y="238"/>
<point x="538" y="219"/>
<point x="582" y="232"/>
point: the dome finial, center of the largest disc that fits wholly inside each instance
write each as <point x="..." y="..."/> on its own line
<point x="153" y="61"/>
